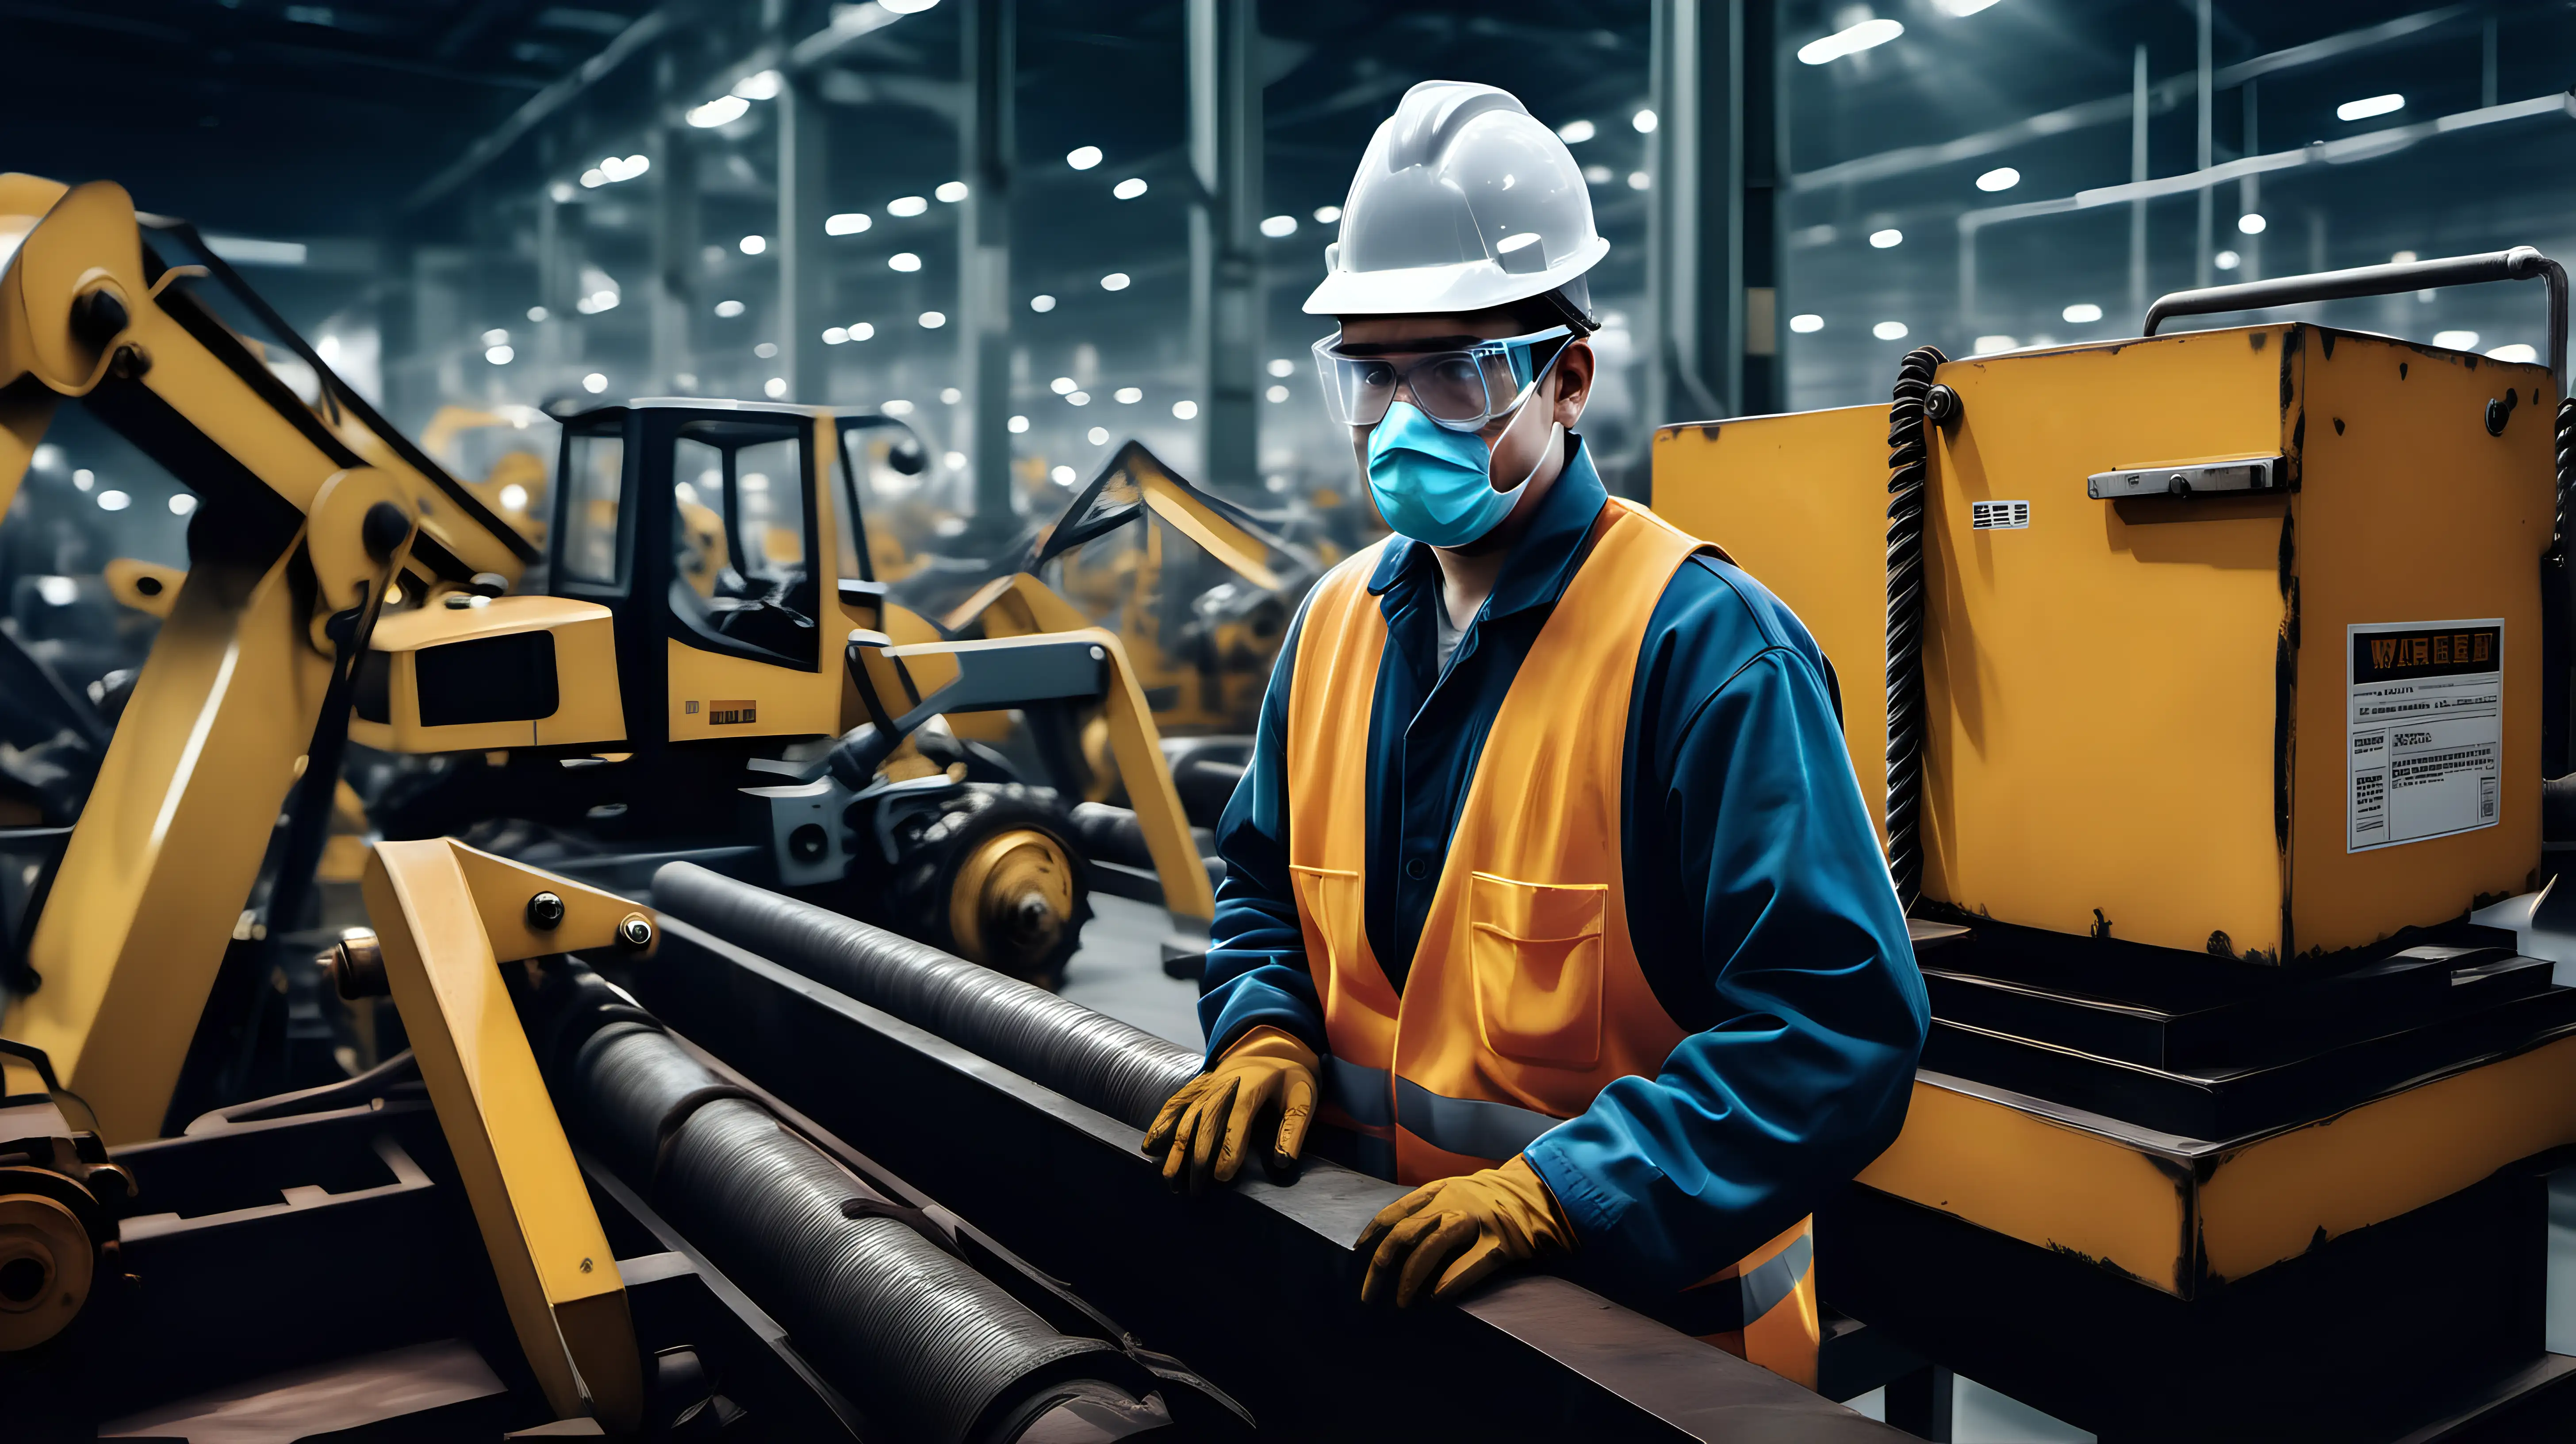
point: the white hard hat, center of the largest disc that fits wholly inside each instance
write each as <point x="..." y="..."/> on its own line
<point x="1463" y="201"/>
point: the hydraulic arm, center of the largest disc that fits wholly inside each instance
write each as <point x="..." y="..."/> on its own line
<point x="312" y="511"/>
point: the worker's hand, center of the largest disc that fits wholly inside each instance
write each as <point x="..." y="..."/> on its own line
<point x="1444" y="1238"/>
<point x="1206" y="1126"/>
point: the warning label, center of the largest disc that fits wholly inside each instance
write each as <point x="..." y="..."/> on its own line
<point x="2427" y="728"/>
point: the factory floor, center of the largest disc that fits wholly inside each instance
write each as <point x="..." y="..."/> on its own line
<point x="1117" y="972"/>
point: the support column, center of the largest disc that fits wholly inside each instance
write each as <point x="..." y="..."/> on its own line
<point x="2138" y="176"/>
<point x="2208" y="201"/>
<point x="674" y="292"/>
<point x="1713" y="237"/>
<point x="1223" y="37"/>
<point x="987" y="49"/>
<point x="560" y="222"/>
<point x="803" y="295"/>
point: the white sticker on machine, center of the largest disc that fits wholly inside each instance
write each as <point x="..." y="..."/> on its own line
<point x="2427" y="727"/>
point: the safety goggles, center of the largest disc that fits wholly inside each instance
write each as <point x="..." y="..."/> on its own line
<point x="1461" y="390"/>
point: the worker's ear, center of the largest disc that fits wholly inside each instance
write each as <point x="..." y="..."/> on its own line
<point x="1573" y="382"/>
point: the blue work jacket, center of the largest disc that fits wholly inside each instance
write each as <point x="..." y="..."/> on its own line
<point x="1757" y="897"/>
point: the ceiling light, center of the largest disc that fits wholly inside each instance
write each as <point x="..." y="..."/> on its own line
<point x="498" y="355"/>
<point x="897" y="407"/>
<point x="2082" y="313"/>
<point x="723" y="110"/>
<point x="1989" y="345"/>
<point x="1597" y="174"/>
<point x="1185" y="410"/>
<point x="1889" y="330"/>
<point x="1282" y="366"/>
<point x="2456" y="340"/>
<point x="593" y="178"/>
<point x="2001" y="178"/>
<point x="1097" y="436"/>
<point x="1019" y="424"/>
<point x="2402" y="257"/>
<point x="84" y="478"/>
<point x="182" y="503"/>
<point x="496" y="337"/>
<point x="759" y="85"/>
<point x="119" y="501"/>
<point x="950" y="395"/>
<point x="1041" y="303"/>
<point x="727" y="310"/>
<point x="1882" y="240"/>
<point x="1083" y="157"/>
<point x="955" y="460"/>
<point x="1063" y="385"/>
<point x="536" y="313"/>
<point x="1063" y="476"/>
<point x="906" y="7"/>
<point x="906" y="206"/>
<point x="903" y="261"/>
<point x="1962" y="9"/>
<point x="1867" y="35"/>
<point x="1276" y="226"/>
<point x="1638" y="180"/>
<point x="765" y="350"/>
<point x="835" y="335"/>
<point x="594" y="383"/>
<point x="1129" y="189"/>
<point x="863" y="331"/>
<point x="2518" y="351"/>
<point x="1807" y="324"/>
<point x="933" y="320"/>
<point x="775" y="388"/>
<point x="1576" y="132"/>
<point x="2365" y="109"/>
<point x="1328" y="215"/>
<point x="1077" y="398"/>
<point x="951" y="191"/>
<point x="847" y="223"/>
<point x="2251" y="223"/>
<point x="1128" y="395"/>
<point x="1277" y="393"/>
<point x="2227" y="260"/>
<point x="753" y="245"/>
<point x="1114" y="281"/>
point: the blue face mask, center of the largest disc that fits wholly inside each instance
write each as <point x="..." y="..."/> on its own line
<point x="1436" y="485"/>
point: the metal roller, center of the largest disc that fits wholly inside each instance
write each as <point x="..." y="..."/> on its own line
<point x="930" y="1348"/>
<point x="1096" y="1060"/>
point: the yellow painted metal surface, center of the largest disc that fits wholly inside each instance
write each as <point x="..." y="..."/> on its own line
<point x="169" y="843"/>
<point x="147" y="587"/>
<point x="2035" y="1178"/>
<point x="1800" y="502"/>
<point x="2109" y="746"/>
<point x="588" y="706"/>
<point x="2182" y="1214"/>
<point x="449" y="917"/>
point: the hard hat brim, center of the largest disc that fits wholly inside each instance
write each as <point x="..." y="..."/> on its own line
<point x="1453" y="289"/>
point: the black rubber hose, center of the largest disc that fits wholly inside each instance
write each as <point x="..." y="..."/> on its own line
<point x="1908" y="457"/>
<point x="1092" y="1058"/>
<point x="929" y="1348"/>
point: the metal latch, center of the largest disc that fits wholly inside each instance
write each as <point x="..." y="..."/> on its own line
<point x="2196" y="479"/>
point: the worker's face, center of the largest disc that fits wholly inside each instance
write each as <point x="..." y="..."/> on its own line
<point x="1560" y="398"/>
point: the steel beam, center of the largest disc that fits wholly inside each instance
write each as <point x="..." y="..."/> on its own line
<point x="1713" y="241"/>
<point x="1223" y="37"/>
<point x="675" y="255"/>
<point x="988" y="51"/>
<point x="803" y="161"/>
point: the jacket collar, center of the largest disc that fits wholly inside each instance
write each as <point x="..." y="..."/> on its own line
<point x="1542" y="563"/>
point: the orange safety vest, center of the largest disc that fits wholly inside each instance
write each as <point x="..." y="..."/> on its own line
<point x="1525" y="998"/>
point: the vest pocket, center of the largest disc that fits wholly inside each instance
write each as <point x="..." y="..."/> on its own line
<point x="1536" y="953"/>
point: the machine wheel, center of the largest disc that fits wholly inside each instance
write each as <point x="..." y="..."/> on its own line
<point x="996" y="879"/>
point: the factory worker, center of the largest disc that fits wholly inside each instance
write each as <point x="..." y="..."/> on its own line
<point x="1549" y="880"/>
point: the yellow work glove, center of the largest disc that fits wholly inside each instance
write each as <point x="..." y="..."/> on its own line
<point x="1208" y="1124"/>
<point x="1443" y="1238"/>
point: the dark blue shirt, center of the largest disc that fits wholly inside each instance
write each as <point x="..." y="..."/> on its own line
<point x="1757" y="898"/>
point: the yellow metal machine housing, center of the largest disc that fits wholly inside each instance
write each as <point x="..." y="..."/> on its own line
<point x="2136" y="732"/>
